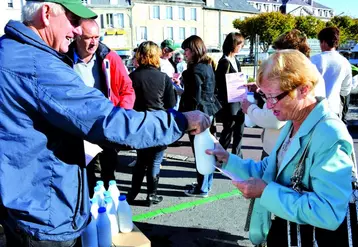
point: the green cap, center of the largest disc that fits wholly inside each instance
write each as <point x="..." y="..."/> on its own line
<point x="74" y="6"/>
<point x="168" y="43"/>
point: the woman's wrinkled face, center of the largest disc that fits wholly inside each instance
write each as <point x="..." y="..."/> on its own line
<point x="283" y="106"/>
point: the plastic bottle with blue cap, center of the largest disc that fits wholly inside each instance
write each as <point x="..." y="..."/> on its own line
<point x="89" y="236"/>
<point x="99" y="195"/>
<point x="100" y="183"/>
<point x="112" y="214"/>
<point x="112" y="187"/>
<point x="124" y="215"/>
<point x="103" y="228"/>
<point x="94" y="207"/>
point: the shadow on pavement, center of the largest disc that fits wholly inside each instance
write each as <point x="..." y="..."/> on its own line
<point x="171" y="236"/>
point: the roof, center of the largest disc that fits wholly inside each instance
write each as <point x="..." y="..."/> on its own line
<point x="172" y="1"/>
<point x="121" y="3"/>
<point x="298" y="2"/>
<point x="318" y="5"/>
<point x="234" y="5"/>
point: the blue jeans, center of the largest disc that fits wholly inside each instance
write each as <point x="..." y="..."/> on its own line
<point x="148" y="163"/>
<point x="18" y="238"/>
<point x="204" y="181"/>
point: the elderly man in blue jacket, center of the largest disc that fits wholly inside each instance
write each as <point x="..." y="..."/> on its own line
<point x="46" y="113"/>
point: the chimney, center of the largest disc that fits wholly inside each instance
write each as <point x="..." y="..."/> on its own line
<point x="210" y="3"/>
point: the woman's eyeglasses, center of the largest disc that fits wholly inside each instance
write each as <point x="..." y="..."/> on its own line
<point x="273" y="100"/>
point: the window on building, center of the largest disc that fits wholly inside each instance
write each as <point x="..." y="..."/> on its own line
<point x="156" y="12"/>
<point x="143" y="33"/>
<point x="119" y="20"/>
<point x="266" y="7"/>
<point x="193" y="31"/>
<point x="84" y="2"/>
<point x="10" y="3"/>
<point x="193" y="14"/>
<point x="181" y="33"/>
<point x="169" y="13"/>
<point x="109" y="20"/>
<point x="170" y="34"/>
<point x="181" y="13"/>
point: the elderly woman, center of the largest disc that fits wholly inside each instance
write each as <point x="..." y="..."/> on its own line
<point x="305" y="182"/>
<point x="264" y="117"/>
<point x="154" y="91"/>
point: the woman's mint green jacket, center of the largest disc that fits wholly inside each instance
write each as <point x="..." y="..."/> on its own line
<point x="328" y="170"/>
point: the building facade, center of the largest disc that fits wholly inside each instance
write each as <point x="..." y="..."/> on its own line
<point x="115" y="22"/>
<point x="218" y="16"/>
<point x="12" y="11"/>
<point x="159" y="20"/>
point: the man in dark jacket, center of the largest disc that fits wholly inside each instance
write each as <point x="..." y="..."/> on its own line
<point x="101" y="68"/>
<point x="46" y="113"/>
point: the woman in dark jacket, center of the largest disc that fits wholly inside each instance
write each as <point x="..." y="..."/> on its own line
<point x="199" y="84"/>
<point x="154" y="91"/>
<point x="231" y="114"/>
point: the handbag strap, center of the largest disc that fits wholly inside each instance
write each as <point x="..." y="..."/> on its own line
<point x="297" y="176"/>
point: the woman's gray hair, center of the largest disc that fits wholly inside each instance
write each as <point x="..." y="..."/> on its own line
<point x="30" y="9"/>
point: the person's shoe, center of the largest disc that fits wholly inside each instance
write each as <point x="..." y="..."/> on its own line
<point x="154" y="199"/>
<point x="194" y="184"/>
<point x="196" y="193"/>
<point x="132" y="164"/>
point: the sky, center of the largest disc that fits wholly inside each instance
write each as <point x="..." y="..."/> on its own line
<point x="349" y="7"/>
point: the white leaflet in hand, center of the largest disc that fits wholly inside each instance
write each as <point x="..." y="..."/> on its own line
<point x="228" y="174"/>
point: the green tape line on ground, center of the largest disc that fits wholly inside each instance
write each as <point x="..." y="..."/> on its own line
<point x="185" y="205"/>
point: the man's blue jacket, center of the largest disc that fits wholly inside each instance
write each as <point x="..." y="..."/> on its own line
<point x="46" y="112"/>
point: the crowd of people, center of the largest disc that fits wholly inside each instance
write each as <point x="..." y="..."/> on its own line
<point x="56" y="94"/>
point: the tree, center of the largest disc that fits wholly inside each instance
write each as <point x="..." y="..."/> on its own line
<point x="309" y="25"/>
<point x="267" y="25"/>
<point x="344" y="23"/>
<point x="248" y="29"/>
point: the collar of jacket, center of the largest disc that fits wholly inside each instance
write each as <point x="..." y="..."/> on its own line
<point x="319" y="112"/>
<point x="18" y="31"/>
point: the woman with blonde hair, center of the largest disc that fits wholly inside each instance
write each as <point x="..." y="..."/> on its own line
<point x="199" y="84"/>
<point x="305" y="183"/>
<point x="154" y="91"/>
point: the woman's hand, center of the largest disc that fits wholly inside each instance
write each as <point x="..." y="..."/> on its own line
<point x="220" y="153"/>
<point x="251" y="188"/>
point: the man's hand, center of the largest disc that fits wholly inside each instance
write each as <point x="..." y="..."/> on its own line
<point x="197" y="121"/>
<point x="220" y="153"/>
<point x="245" y="105"/>
<point x="251" y="188"/>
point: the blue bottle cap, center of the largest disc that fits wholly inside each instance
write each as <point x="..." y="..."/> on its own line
<point x="250" y="93"/>
<point x="107" y="194"/>
<point x="100" y="183"/>
<point x="112" y="182"/>
<point x="101" y="210"/>
<point x="122" y="198"/>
